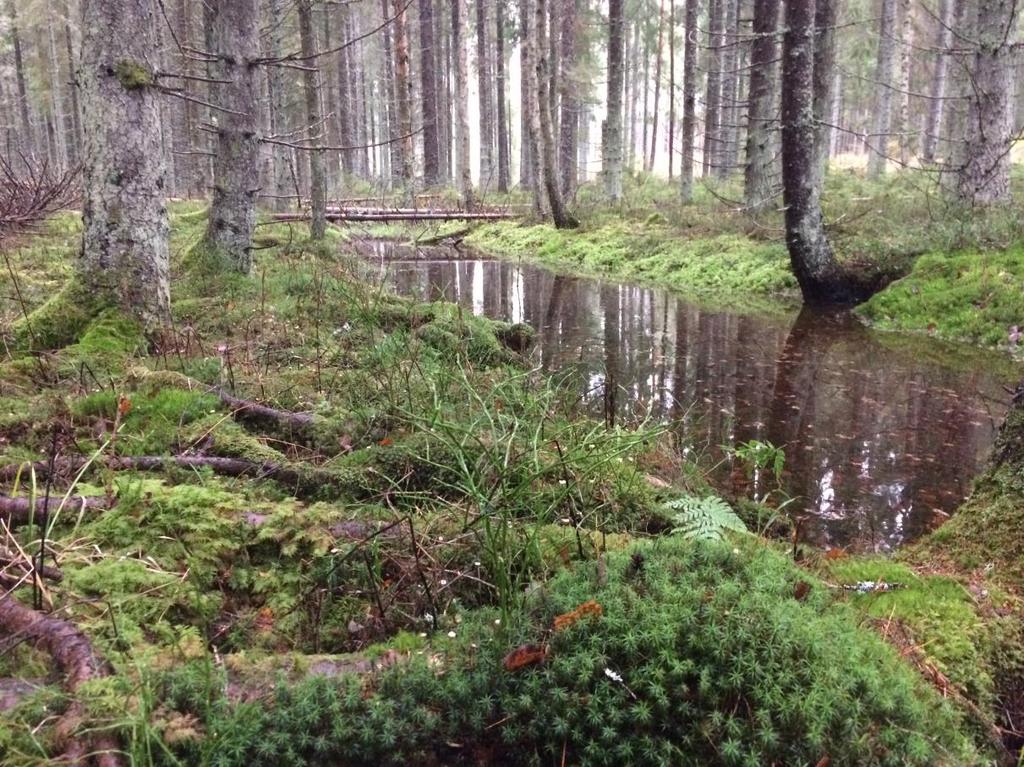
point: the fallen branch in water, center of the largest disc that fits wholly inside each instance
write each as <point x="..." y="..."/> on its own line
<point x="76" y="659"/>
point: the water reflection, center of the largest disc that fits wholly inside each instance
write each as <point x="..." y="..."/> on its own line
<point x="880" y="442"/>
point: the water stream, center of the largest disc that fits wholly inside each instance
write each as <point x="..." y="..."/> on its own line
<point x="882" y="433"/>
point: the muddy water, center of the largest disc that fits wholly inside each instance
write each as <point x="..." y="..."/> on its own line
<point x="882" y="434"/>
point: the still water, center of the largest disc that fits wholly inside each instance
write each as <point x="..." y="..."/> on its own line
<point x="882" y="433"/>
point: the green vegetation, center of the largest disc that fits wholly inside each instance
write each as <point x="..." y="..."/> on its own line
<point x="390" y="592"/>
<point x="956" y="273"/>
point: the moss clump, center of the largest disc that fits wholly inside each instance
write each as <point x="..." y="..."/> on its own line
<point x="701" y="655"/>
<point x="969" y="296"/>
<point x="59" y="321"/>
<point x="133" y="76"/>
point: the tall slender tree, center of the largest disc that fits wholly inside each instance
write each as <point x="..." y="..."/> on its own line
<point x="611" y="134"/>
<point x="463" y="171"/>
<point x="758" y="181"/>
<point x="428" y="94"/>
<point x="713" y="87"/>
<point x="882" y="121"/>
<point x="689" y="127"/>
<point x="568" y="138"/>
<point x="236" y="180"/>
<point x="559" y="212"/>
<point x="403" y="90"/>
<point x="485" y="97"/>
<point x="657" y="86"/>
<point x="311" y="92"/>
<point x="943" y="41"/>
<point x="504" y="145"/>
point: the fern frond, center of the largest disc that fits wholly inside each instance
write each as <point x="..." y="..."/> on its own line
<point x="703" y="519"/>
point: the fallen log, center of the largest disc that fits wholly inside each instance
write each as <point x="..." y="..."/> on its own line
<point x="73" y="653"/>
<point x="356" y="214"/>
<point x="247" y="410"/>
<point x="17" y="511"/>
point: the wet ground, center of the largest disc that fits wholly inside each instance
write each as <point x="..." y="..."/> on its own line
<point x="882" y="433"/>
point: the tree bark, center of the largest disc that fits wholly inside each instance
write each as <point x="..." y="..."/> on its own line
<point x="462" y="157"/>
<point x="232" y="220"/>
<point x="504" y="167"/>
<point x="611" y="135"/>
<point x="984" y="176"/>
<point x="713" y="97"/>
<point x="727" y="145"/>
<point x="671" y="87"/>
<point x="27" y="142"/>
<point x="559" y="213"/>
<point x="124" y="257"/>
<point x="56" y="93"/>
<point x="76" y="114"/>
<point x="485" y="97"/>
<point x="819" y="275"/>
<point x="391" y="99"/>
<point x="758" y="179"/>
<point x="428" y="95"/>
<point x="825" y="17"/>
<point x="526" y="99"/>
<point x="689" y="129"/>
<point x="657" y="87"/>
<point x="882" y="121"/>
<point x="903" y="86"/>
<point x="943" y="40"/>
<point x="568" y="142"/>
<point x="403" y="90"/>
<point x="311" y="92"/>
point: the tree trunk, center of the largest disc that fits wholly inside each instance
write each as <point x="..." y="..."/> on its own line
<point x="882" y="121"/>
<point x="56" y="93"/>
<point x="758" y="180"/>
<point x="330" y="127"/>
<point x="727" y="154"/>
<point x="311" y="89"/>
<point x="568" y="142"/>
<point x="504" y="168"/>
<point x="820" y="277"/>
<point x="403" y="90"/>
<point x="232" y="220"/>
<point x="531" y="53"/>
<point x="526" y="99"/>
<point x="713" y="97"/>
<point x="933" y="124"/>
<point x="671" y="87"/>
<point x="428" y="95"/>
<point x="825" y="17"/>
<point x="391" y="100"/>
<point x="657" y="87"/>
<point x="485" y="97"/>
<point x="124" y="258"/>
<point x="76" y="114"/>
<point x="27" y="141"/>
<point x="903" y="87"/>
<point x="463" y="173"/>
<point x="984" y="176"/>
<point x="632" y="93"/>
<point x="689" y="100"/>
<point x="611" y="135"/>
<point x="561" y="216"/>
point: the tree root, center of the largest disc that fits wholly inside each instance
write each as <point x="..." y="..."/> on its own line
<point x="16" y="512"/>
<point x="76" y="659"/>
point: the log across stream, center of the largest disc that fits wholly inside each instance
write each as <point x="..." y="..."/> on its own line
<point x="882" y="433"/>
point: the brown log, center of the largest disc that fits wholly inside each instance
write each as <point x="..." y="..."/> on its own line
<point x="353" y="214"/>
<point x="76" y="659"/>
<point x="17" y="511"/>
<point x="247" y="410"/>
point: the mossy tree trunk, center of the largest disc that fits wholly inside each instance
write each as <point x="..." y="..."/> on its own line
<point x="124" y="257"/>
<point x="236" y="175"/>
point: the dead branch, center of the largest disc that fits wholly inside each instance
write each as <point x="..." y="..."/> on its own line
<point x="17" y="511"/>
<point x="357" y="214"/>
<point x="31" y="193"/>
<point x="76" y="659"/>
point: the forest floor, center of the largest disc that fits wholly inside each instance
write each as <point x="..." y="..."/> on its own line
<point x="419" y="551"/>
<point x="951" y="272"/>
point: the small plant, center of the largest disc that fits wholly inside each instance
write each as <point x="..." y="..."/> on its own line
<point x="703" y="519"/>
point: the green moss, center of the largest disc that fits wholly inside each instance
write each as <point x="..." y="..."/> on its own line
<point x="132" y="75"/>
<point x="970" y="296"/>
<point x="59" y="321"/>
<point x="715" y="267"/>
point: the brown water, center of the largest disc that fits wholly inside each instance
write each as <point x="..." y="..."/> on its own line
<point x="882" y="433"/>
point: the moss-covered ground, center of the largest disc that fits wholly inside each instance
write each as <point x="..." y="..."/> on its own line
<point x="453" y="566"/>
<point x="952" y="273"/>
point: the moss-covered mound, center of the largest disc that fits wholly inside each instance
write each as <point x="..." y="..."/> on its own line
<point x="970" y="296"/>
<point x="682" y="654"/>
